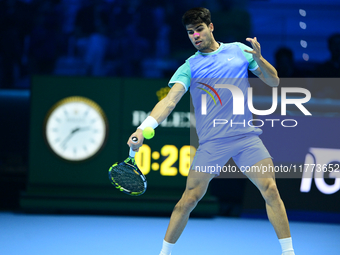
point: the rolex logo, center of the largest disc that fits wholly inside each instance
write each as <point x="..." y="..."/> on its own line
<point x="162" y="93"/>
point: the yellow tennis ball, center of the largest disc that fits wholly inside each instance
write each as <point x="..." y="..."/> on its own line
<point x="148" y="132"/>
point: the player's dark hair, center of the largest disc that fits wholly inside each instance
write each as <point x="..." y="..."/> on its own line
<point x="196" y="16"/>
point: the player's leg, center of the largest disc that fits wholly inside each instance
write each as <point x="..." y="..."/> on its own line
<point x="265" y="182"/>
<point x="254" y="154"/>
<point x="196" y="187"/>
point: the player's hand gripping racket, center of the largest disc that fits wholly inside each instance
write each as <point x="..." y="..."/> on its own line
<point x="126" y="175"/>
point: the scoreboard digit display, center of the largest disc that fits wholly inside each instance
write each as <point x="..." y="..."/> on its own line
<point x="172" y="157"/>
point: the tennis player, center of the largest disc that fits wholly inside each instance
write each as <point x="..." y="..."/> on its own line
<point x="217" y="63"/>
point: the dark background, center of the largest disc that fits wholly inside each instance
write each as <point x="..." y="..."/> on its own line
<point x="144" y="39"/>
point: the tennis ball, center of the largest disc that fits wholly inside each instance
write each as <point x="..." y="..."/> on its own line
<point x="148" y="132"/>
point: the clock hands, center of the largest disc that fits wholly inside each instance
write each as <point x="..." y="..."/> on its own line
<point x="67" y="138"/>
<point x="82" y="129"/>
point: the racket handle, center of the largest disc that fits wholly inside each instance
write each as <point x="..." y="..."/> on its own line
<point x="132" y="153"/>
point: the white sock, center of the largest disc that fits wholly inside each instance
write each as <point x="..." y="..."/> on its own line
<point x="167" y="248"/>
<point x="287" y="246"/>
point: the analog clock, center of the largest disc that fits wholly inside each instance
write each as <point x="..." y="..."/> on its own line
<point x="75" y="128"/>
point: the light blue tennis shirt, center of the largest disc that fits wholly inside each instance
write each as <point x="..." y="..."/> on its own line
<point x="201" y="73"/>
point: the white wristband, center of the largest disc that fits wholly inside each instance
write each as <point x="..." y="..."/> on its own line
<point x="149" y="122"/>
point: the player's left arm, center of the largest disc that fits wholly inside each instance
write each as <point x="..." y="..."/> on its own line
<point x="266" y="72"/>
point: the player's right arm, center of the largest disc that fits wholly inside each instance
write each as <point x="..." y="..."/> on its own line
<point x="160" y="112"/>
<point x="164" y="107"/>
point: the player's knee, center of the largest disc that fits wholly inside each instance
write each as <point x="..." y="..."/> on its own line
<point x="187" y="203"/>
<point x="270" y="192"/>
<point x="191" y="202"/>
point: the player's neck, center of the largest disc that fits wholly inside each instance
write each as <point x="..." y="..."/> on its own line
<point x="213" y="47"/>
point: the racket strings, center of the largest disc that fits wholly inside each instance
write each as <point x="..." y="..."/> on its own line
<point x="128" y="178"/>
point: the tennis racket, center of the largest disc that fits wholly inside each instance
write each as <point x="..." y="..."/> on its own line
<point x="127" y="177"/>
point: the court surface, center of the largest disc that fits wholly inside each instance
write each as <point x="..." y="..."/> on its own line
<point x="31" y="234"/>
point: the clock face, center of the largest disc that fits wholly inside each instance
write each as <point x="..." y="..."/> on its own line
<point x="76" y="128"/>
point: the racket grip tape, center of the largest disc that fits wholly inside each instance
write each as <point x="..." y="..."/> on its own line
<point x="132" y="153"/>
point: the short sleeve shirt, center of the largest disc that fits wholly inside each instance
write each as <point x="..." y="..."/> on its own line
<point x="201" y="74"/>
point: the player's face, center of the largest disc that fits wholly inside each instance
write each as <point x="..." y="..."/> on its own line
<point x="201" y="36"/>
